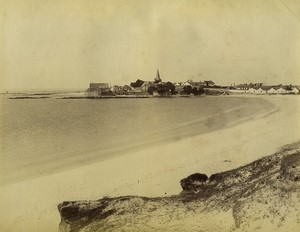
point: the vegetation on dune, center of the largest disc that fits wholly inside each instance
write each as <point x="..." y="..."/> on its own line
<point x="260" y="196"/>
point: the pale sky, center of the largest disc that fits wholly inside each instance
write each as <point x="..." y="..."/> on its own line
<point x="48" y="44"/>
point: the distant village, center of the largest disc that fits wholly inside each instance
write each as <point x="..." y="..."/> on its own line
<point x="157" y="87"/>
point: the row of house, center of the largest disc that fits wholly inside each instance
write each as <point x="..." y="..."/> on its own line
<point x="104" y="89"/>
<point x="280" y="89"/>
<point x="140" y="87"/>
<point x="98" y="89"/>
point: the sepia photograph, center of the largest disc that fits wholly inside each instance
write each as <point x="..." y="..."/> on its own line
<point x="149" y="115"/>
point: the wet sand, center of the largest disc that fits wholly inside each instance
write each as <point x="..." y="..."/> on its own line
<point x="154" y="170"/>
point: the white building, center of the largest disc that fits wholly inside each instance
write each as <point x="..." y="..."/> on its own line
<point x="281" y="91"/>
<point x="261" y="91"/>
<point x="295" y="90"/>
<point x="252" y="90"/>
<point x="272" y="90"/>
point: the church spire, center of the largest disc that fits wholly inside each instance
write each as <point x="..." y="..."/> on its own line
<point x="157" y="78"/>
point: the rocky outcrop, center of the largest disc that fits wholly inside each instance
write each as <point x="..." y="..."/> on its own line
<point x="80" y="214"/>
<point x="290" y="167"/>
<point x="261" y="196"/>
<point x="193" y="182"/>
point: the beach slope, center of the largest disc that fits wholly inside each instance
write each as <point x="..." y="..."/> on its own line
<point x="261" y="196"/>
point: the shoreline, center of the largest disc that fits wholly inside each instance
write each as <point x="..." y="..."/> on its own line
<point x="80" y="96"/>
<point x="32" y="204"/>
<point x="200" y="125"/>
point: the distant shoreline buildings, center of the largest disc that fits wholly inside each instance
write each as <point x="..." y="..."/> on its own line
<point x="159" y="88"/>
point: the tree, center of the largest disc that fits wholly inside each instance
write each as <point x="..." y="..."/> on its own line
<point x="195" y="91"/>
<point x="161" y="89"/>
<point x="170" y="87"/>
<point x="138" y="83"/>
<point x="201" y="91"/>
<point x="187" y="89"/>
<point x="151" y="89"/>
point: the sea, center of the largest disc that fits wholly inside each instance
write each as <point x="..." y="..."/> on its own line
<point x="44" y="136"/>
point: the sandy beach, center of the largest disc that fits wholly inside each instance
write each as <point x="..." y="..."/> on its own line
<point x="152" y="171"/>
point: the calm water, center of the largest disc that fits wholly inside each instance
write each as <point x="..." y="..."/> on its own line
<point x="46" y="135"/>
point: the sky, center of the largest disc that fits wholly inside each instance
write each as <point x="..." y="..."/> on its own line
<point x="68" y="44"/>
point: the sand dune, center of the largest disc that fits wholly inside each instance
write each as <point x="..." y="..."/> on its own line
<point x="260" y="196"/>
<point x="152" y="171"/>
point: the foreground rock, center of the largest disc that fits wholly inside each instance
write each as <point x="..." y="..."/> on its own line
<point x="261" y="196"/>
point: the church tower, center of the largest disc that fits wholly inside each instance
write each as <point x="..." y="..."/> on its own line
<point x="157" y="78"/>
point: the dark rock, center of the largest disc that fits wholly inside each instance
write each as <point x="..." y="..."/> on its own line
<point x="290" y="167"/>
<point x="76" y="215"/>
<point x="217" y="177"/>
<point x="193" y="182"/>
